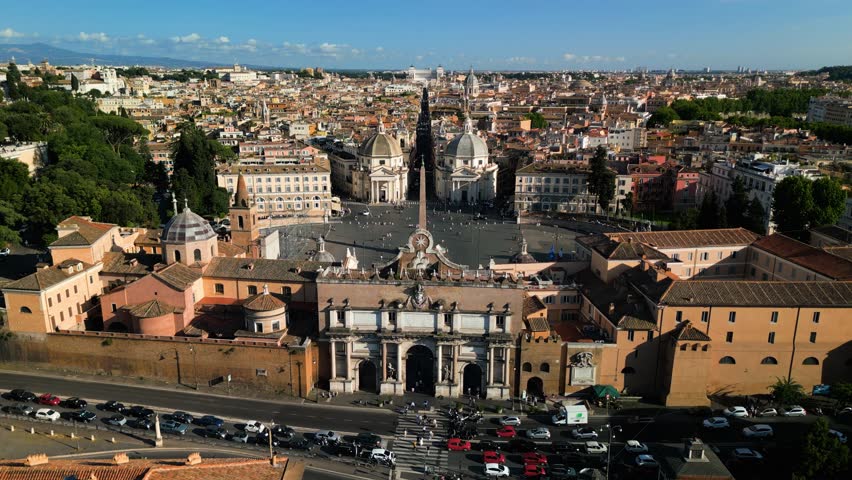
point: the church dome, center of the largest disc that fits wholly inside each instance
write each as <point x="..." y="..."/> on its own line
<point x="467" y="144"/>
<point x="581" y="84"/>
<point x="471" y="80"/>
<point x="380" y="144"/>
<point x="322" y="254"/>
<point x="186" y="227"/>
<point x="523" y="256"/>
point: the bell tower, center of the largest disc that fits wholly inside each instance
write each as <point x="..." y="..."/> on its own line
<point x="243" y="215"/>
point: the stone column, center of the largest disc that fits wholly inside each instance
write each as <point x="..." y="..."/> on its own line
<point x="333" y="360"/>
<point x="506" y="366"/>
<point x="400" y="371"/>
<point x="384" y="362"/>
<point x="490" y="365"/>
<point x="456" y="349"/>
<point x="348" y="346"/>
<point x="440" y="361"/>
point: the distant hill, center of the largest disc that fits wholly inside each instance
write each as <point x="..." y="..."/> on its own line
<point x="839" y="72"/>
<point x="36" y="52"/>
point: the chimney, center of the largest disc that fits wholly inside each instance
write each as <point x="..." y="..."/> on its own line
<point x="133" y="262"/>
<point x="694" y="451"/>
<point x="120" y="458"/>
<point x="36" y="459"/>
<point x="193" y="459"/>
<point x="42" y="266"/>
<point x="611" y="309"/>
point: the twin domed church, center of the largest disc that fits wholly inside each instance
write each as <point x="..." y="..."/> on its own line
<point x="463" y="171"/>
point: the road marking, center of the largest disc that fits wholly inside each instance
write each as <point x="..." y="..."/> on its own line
<point x="336" y="473"/>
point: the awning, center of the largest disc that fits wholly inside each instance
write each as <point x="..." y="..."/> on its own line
<point x="602" y="391"/>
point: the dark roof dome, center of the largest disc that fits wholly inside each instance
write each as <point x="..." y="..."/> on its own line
<point x="380" y="144"/>
<point x="187" y="227"/>
<point x="523" y="256"/>
<point x="322" y="254"/>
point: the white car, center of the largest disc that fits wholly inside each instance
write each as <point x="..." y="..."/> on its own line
<point x="253" y="426"/>
<point x="513" y="421"/>
<point x="327" y="435"/>
<point x="768" y="412"/>
<point x="635" y="446"/>
<point x="47" y="414"/>
<point x="840" y="435"/>
<point x="716" y="422"/>
<point x="759" y="430"/>
<point x="595" y="447"/>
<point x="735" y="412"/>
<point x="382" y="455"/>
<point x="540" y="433"/>
<point x="646" y="460"/>
<point x="495" y="470"/>
<point x="746" y="454"/>
<point x="584" y="433"/>
<point x="795" y="411"/>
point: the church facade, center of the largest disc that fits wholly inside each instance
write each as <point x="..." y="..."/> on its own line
<point x="465" y="173"/>
<point x="380" y="174"/>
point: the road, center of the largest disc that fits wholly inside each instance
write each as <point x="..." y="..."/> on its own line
<point x="304" y="416"/>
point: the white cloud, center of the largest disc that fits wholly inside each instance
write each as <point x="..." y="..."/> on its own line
<point x="191" y="38"/>
<point x="251" y="41"/>
<point x="522" y="60"/>
<point x="223" y="39"/>
<point x="93" y="37"/>
<point x="298" y="48"/>
<point x="380" y="49"/>
<point x="9" y="33"/>
<point x="571" y="57"/>
<point x="141" y="38"/>
<point x="419" y="57"/>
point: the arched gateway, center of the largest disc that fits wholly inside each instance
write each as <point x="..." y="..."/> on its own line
<point x="419" y="370"/>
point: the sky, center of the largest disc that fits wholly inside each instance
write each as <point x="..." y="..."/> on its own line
<point x="488" y="35"/>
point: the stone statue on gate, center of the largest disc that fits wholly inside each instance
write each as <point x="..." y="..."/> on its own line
<point x="445" y="373"/>
<point x="582" y="360"/>
<point x="391" y="371"/>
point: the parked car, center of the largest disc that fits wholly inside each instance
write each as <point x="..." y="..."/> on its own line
<point x="584" y="433"/>
<point x="20" y="409"/>
<point x="117" y="420"/>
<point x="540" y="433"/>
<point x="48" y="399"/>
<point x="767" y="412"/>
<point x="346" y="448"/>
<point x="488" y="445"/>
<point x="513" y="421"/>
<point x="84" y="416"/>
<point x="298" y="444"/>
<point x="840" y="435"/>
<point x="640" y="419"/>
<point x="645" y="460"/>
<point x="458" y="445"/>
<point x="534" y="457"/>
<point x="263" y="438"/>
<point x="533" y="470"/>
<point x="327" y="435"/>
<point x="595" y="448"/>
<point x="507" y="431"/>
<point x="759" y="430"/>
<point x="180" y="417"/>
<point x="74" y="402"/>
<point x="635" y="446"/>
<point x="239" y="437"/>
<point x="113" y="406"/>
<point x="367" y="439"/>
<point x="174" y="428"/>
<point x="735" y="412"/>
<point x="214" y="431"/>
<point x="282" y="431"/>
<point x="142" y="423"/>
<point x="716" y="422"/>
<point x="209" y="420"/>
<point x="795" y="411"/>
<point x="4" y="252"/>
<point x="558" y="471"/>
<point x="559" y="420"/>
<point x="47" y="414"/>
<point x="746" y="454"/>
<point x="21" y="395"/>
<point x="253" y="426"/>
<point x="561" y="446"/>
<point x="493" y="457"/>
<point x="522" y="445"/>
<point x="139" y="411"/>
<point x="383" y="456"/>
<point x="495" y="470"/>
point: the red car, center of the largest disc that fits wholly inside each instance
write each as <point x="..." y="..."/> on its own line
<point x="493" y="457"/>
<point x="534" y="458"/>
<point x="458" y="445"/>
<point x="532" y="470"/>
<point x="48" y="399"/>
<point x="507" y="432"/>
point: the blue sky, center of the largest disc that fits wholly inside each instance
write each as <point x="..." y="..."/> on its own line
<point x="494" y="34"/>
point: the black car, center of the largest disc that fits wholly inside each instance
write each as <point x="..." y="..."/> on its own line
<point x="214" y="431"/>
<point x="209" y="420"/>
<point x="262" y="438"/>
<point x="488" y="446"/>
<point x="22" y="395"/>
<point x="84" y="416"/>
<point x="282" y="431"/>
<point x="558" y="471"/>
<point x="74" y="402"/>
<point x="142" y="423"/>
<point x="345" y="448"/>
<point x="181" y="417"/>
<point x="299" y="444"/>
<point x="366" y="439"/>
<point x="139" y="411"/>
<point x="113" y="406"/>
<point x="20" y="409"/>
<point x="561" y="446"/>
<point x="522" y="445"/>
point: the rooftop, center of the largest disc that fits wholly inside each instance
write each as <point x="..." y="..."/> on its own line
<point x="802" y="254"/>
<point x="44" y="278"/>
<point x="689" y="238"/>
<point x="755" y="294"/>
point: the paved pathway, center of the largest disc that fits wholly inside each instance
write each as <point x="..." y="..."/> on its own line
<point x="411" y="459"/>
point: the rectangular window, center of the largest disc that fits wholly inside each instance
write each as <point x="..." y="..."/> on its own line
<point x="813" y="337"/>
<point x="286" y="291"/>
<point x="91" y="279"/>
<point x="276" y="326"/>
<point x="679" y="316"/>
<point x="771" y="337"/>
<point x="650" y="335"/>
<point x="705" y="256"/>
<point x="773" y="318"/>
<point x="75" y="289"/>
<point x="448" y="319"/>
<point x="734" y="254"/>
<point x="549" y="299"/>
<point x="252" y="289"/>
<point x="258" y="327"/>
<point x="676" y="256"/>
<point x="566" y="299"/>
<point x="501" y="321"/>
<point x="705" y="317"/>
<point x="260" y="372"/>
<point x="752" y="271"/>
<point x="816" y="317"/>
<point x="732" y="317"/>
<point x="689" y="256"/>
<point x="630" y="335"/>
<point x="341" y="316"/>
<point x="114" y="307"/>
<point x="392" y="318"/>
<point x="729" y="337"/>
<point x="220" y="289"/>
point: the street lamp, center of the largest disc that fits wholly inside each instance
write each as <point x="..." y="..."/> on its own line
<point x="177" y="362"/>
<point x="612" y="430"/>
<point x="194" y="365"/>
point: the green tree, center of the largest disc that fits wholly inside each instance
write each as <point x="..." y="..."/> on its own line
<point x="75" y="83"/>
<point x="195" y="158"/>
<point x="829" y="201"/>
<point x="792" y="206"/>
<point x="663" y="117"/>
<point x="13" y="81"/>
<point x="536" y="120"/>
<point x="737" y="204"/>
<point x="823" y="456"/>
<point x="842" y="391"/>
<point x="709" y="215"/>
<point x="685" y="220"/>
<point x="786" y="391"/>
<point x="118" y="130"/>
<point x="601" y="179"/>
<point x="627" y="203"/>
<point x="755" y="217"/>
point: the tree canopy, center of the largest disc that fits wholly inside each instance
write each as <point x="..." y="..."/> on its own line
<point x="536" y="120"/>
<point x="195" y="157"/>
<point x="601" y="179"/>
<point x="822" y="456"/>
<point x="799" y="203"/>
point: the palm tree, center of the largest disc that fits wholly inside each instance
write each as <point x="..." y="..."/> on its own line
<point x="786" y="391"/>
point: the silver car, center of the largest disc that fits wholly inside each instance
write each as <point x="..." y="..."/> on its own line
<point x="540" y="433"/>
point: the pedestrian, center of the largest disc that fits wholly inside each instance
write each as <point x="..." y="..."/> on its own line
<point x="405" y="433"/>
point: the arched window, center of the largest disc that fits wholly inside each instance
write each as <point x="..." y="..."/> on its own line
<point x="527" y="367"/>
<point x="240" y="223"/>
<point x="545" y="367"/>
<point x="810" y="361"/>
<point x="316" y="202"/>
<point x="197" y="254"/>
<point x="177" y="255"/>
<point x="683" y="347"/>
<point x="769" y="361"/>
<point x="727" y="361"/>
<point x="26" y="310"/>
<point x="628" y="370"/>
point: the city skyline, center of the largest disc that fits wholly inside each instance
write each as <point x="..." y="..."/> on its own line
<point x="720" y="34"/>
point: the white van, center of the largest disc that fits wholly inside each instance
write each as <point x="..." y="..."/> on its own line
<point x="383" y="456"/>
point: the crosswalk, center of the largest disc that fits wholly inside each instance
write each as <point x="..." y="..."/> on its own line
<point x="433" y="453"/>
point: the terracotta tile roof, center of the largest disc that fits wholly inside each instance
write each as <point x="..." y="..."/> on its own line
<point x="690" y="333"/>
<point x="533" y="304"/>
<point x="538" y="324"/>
<point x="88" y="232"/>
<point x="630" y="322"/>
<point x="228" y="249"/>
<point x="119" y="263"/>
<point x="804" y="255"/>
<point x="150" y="309"/>
<point x="260" y="269"/>
<point x="614" y="249"/>
<point x="689" y="238"/>
<point x="753" y="294"/>
<point x="842" y="252"/>
<point x="44" y="278"/>
<point x="178" y="276"/>
<point x="263" y="302"/>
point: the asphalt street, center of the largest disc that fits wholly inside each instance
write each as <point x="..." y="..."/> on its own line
<point x="305" y="416"/>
